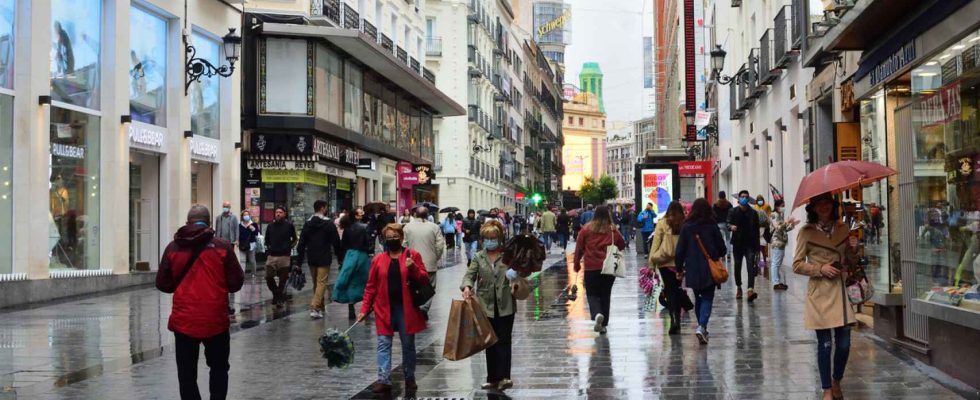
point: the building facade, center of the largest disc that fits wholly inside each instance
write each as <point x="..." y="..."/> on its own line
<point x="666" y="76"/>
<point x="584" y="152"/>
<point x="112" y="110"/>
<point x="620" y="159"/>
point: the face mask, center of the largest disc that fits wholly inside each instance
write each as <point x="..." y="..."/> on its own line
<point x="491" y="244"/>
<point x="743" y="201"/>
<point x="393" y="244"/>
<point x="226" y="210"/>
<point x="760" y="202"/>
<point x="246" y="218"/>
<point x="201" y="223"/>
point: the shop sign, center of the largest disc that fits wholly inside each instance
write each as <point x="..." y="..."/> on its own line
<point x="264" y="143"/>
<point x="147" y="137"/>
<point x="343" y="184"/>
<point x="366" y="163"/>
<point x="253" y="177"/>
<point x="425" y="174"/>
<point x="205" y="149"/>
<point x="691" y="168"/>
<point x="67" y="150"/>
<point x="894" y="63"/>
<point x="519" y="196"/>
<point x="293" y="176"/>
<point x="940" y="107"/>
<point x="281" y="164"/>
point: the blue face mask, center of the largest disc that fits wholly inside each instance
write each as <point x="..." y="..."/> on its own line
<point x="201" y="223"/>
<point x="491" y="244"/>
<point x="247" y="218"/>
<point x="743" y="201"/>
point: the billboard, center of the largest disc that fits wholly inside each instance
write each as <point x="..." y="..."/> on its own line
<point x="552" y="22"/>
<point x="658" y="184"/>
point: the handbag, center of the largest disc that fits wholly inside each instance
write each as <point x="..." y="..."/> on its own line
<point x="719" y="273"/>
<point x="420" y="293"/>
<point x="664" y="254"/>
<point x="860" y="291"/>
<point x="614" y="264"/>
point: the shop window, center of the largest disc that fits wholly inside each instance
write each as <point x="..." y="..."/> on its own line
<point x="353" y="90"/>
<point x="389" y="126"/>
<point x="329" y="85"/>
<point x="76" y="47"/>
<point x="882" y="272"/>
<point x="74" y="187"/>
<point x="6" y="184"/>
<point x="147" y="67"/>
<point x="946" y="130"/>
<point x="285" y="79"/>
<point x="7" y="36"/>
<point x="404" y="127"/>
<point x="205" y="92"/>
<point x="415" y="130"/>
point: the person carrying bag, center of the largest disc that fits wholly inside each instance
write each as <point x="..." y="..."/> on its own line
<point x="662" y="251"/>
<point x="596" y="246"/>
<point x="699" y="248"/>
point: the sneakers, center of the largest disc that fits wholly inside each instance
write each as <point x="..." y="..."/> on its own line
<point x="598" y="327"/>
<point x="752" y="295"/>
<point x="738" y="293"/>
<point x="781" y="286"/>
<point x="702" y="335"/>
<point x="505" y="384"/>
<point x="489" y="386"/>
<point x="316" y="314"/>
<point x="380" y="388"/>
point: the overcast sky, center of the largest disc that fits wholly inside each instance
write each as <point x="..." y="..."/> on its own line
<point x="611" y="33"/>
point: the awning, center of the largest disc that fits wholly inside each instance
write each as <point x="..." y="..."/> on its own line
<point x="376" y="58"/>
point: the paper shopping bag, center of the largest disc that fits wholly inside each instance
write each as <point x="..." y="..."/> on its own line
<point x="468" y="331"/>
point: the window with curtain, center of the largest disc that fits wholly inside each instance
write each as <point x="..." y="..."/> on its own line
<point x="329" y="85"/>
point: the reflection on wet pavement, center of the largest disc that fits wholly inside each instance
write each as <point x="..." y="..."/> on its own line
<point x="117" y="346"/>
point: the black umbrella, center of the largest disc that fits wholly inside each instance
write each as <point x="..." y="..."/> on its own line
<point x="432" y="207"/>
<point x="449" y="210"/>
<point x="483" y="212"/>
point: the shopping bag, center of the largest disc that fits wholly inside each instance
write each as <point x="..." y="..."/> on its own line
<point x="614" y="264"/>
<point x="468" y="332"/>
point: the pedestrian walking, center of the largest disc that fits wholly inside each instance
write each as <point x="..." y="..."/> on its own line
<point x="743" y="221"/>
<point x="824" y="248"/>
<point x="700" y="230"/>
<point x="387" y="295"/>
<point x="248" y="231"/>
<point x="471" y="232"/>
<point x="357" y="245"/>
<point x="493" y="283"/>
<point x="319" y="241"/>
<point x="458" y="220"/>
<point x="780" y="234"/>
<point x="546" y="224"/>
<point x="590" y="249"/>
<point x="626" y="225"/>
<point x="587" y="216"/>
<point x="562" y="227"/>
<point x="201" y="270"/>
<point x="280" y="237"/>
<point x="532" y="221"/>
<point x="576" y="228"/>
<point x="448" y="226"/>
<point x="406" y="217"/>
<point x="662" y="252"/>
<point x="226" y="227"/>
<point x="646" y="219"/>
<point x="763" y="210"/>
<point x="721" y="209"/>
<point x="424" y="237"/>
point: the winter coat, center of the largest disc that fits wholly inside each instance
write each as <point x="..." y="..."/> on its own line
<point x="547" y="222"/>
<point x="780" y="230"/>
<point x="826" y="303"/>
<point x="426" y="238"/>
<point x="746" y="221"/>
<point x="376" y="292"/>
<point x="358" y="237"/>
<point x="490" y="283"/>
<point x="646" y="220"/>
<point x="226" y="227"/>
<point x="280" y="236"/>
<point x="471" y="230"/>
<point x="200" y="302"/>
<point x="660" y="235"/>
<point x="721" y="210"/>
<point x="590" y="247"/>
<point x="586" y="217"/>
<point x="246" y="236"/>
<point x="689" y="259"/>
<point x="319" y="241"/>
<point x="562" y="223"/>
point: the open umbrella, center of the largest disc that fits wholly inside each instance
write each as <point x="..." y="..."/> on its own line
<point x="449" y="210"/>
<point x="839" y="177"/>
<point x="431" y="206"/>
<point x="374" y="208"/>
<point x="337" y="347"/>
<point x="483" y="212"/>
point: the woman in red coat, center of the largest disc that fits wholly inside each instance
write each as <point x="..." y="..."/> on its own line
<point x="387" y="295"/>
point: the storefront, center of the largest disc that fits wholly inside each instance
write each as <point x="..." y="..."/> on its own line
<point x="205" y="156"/>
<point x="918" y="106"/>
<point x="147" y="144"/>
<point x="407" y="179"/>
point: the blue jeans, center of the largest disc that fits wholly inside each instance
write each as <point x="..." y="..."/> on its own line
<point x="726" y="235"/>
<point x="548" y="238"/>
<point x="647" y="236"/>
<point x="459" y="239"/>
<point x="563" y="239"/>
<point x="776" y="258"/>
<point x="627" y="232"/>
<point x="703" y="299"/>
<point x="471" y="250"/>
<point x="384" y="349"/>
<point x="841" y="346"/>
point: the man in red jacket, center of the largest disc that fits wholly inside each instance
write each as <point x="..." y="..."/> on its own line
<point x="200" y="270"/>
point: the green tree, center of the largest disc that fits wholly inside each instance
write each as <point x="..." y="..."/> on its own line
<point x="607" y="188"/>
<point x="589" y="192"/>
<point x="593" y="192"/>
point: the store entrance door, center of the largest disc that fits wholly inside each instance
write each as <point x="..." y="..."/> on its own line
<point x="202" y="184"/>
<point x="144" y="211"/>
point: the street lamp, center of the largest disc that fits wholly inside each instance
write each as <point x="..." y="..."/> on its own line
<point x="718" y="59"/>
<point x="197" y="67"/>
<point x="744" y="74"/>
<point x="689" y="117"/>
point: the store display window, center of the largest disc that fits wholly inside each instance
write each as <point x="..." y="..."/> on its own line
<point x="883" y="272"/>
<point x="415" y="131"/>
<point x="428" y="138"/>
<point x="6" y="184"/>
<point x="329" y="85"/>
<point x="7" y="36"/>
<point x="946" y="130"/>
<point x="147" y="67"/>
<point x="353" y="92"/>
<point x="73" y="191"/>
<point x="205" y="92"/>
<point x="76" y="44"/>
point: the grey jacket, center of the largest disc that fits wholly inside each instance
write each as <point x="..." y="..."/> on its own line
<point x="226" y="227"/>
<point x="426" y="238"/>
<point x="489" y="282"/>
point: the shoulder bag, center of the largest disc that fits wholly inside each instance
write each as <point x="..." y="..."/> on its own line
<point x="718" y="272"/>
<point x="668" y="247"/>
<point x="614" y="264"/>
<point x="420" y="293"/>
<point x="190" y="263"/>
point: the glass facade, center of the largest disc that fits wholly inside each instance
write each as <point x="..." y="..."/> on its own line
<point x="946" y="131"/>
<point x="148" y="67"/>
<point x="76" y="44"/>
<point x="74" y="188"/>
<point x="285" y="77"/>
<point x="882" y="272"/>
<point x="329" y="85"/>
<point x="353" y="92"/>
<point x="7" y="37"/>
<point x="205" y="93"/>
<point x="6" y="184"/>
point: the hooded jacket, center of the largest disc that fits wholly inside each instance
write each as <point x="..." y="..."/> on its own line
<point x="280" y="236"/>
<point x="200" y="303"/>
<point x="319" y="241"/>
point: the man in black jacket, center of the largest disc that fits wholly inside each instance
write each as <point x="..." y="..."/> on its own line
<point x="471" y="234"/>
<point x="280" y="236"/>
<point x="743" y="221"/>
<point x="319" y="241"/>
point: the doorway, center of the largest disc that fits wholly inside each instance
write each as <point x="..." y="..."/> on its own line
<point x="144" y="211"/>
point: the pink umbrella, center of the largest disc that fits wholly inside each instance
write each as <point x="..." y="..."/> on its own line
<point x="839" y="177"/>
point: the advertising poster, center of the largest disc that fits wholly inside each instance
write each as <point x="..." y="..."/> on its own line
<point x="657" y="187"/>
<point x="253" y="200"/>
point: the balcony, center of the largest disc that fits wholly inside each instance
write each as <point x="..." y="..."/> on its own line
<point x="401" y="54"/>
<point x="326" y="8"/>
<point x="768" y="73"/>
<point x="480" y="118"/>
<point x="414" y="64"/>
<point x="737" y="99"/>
<point x="798" y="23"/>
<point x="428" y="75"/>
<point x="369" y="30"/>
<point x="754" y="89"/>
<point x="351" y="19"/>
<point x="437" y="162"/>
<point x="387" y="44"/>
<point x="780" y="39"/>
<point x="433" y="46"/>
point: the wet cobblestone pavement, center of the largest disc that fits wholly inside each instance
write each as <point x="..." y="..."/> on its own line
<point x="117" y="346"/>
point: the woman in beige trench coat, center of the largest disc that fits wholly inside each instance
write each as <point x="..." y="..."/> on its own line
<point x="823" y="246"/>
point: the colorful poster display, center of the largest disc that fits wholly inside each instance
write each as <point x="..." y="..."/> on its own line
<point x="657" y="187"/>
